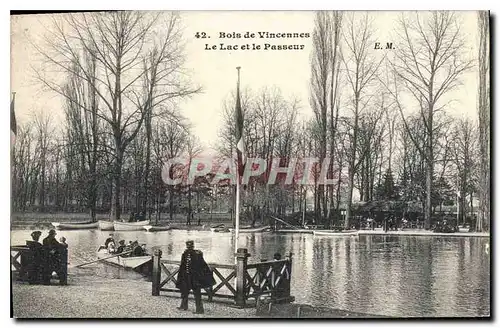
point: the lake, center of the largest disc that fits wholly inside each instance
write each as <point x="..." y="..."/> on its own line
<point x="387" y="275"/>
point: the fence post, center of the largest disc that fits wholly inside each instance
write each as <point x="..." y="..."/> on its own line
<point x="241" y="268"/>
<point x="288" y="287"/>
<point x="63" y="270"/>
<point x="156" y="279"/>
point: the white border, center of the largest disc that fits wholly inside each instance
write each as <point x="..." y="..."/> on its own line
<point x="183" y="5"/>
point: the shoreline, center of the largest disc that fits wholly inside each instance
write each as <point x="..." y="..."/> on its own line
<point x="421" y="233"/>
<point x="45" y="223"/>
<point x="105" y="298"/>
<point x="319" y="233"/>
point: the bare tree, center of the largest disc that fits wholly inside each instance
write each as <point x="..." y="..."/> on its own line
<point x="463" y="153"/>
<point x="360" y="70"/>
<point x="139" y="69"/>
<point x="193" y="149"/>
<point x="484" y="120"/>
<point x="84" y="130"/>
<point x="428" y="64"/>
<point x="325" y="72"/>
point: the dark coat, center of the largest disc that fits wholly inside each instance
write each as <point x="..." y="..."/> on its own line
<point x="201" y="275"/>
<point x="51" y="241"/>
<point x="35" y="261"/>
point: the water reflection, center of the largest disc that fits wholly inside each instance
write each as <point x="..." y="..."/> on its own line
<point x="391" y="275"/>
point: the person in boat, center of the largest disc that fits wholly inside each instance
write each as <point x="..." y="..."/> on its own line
<point x="111" y="247"/>
<point x="109" y="240"/>
<point x="194" y="274"/>
<point x="138" y="250"/>
<point x="277" y="256"/>
<point x="128" y="248"/>
<point x="121" y="247"/>
<point x="35" y="258"/>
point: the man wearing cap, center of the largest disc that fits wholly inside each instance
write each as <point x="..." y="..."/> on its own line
<point x="194" y="274"/>
<point x="53" y="256"/>
<point x="51" y="240"/>
<point x="121" y="247"/>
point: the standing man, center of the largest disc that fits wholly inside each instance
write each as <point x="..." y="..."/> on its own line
<point x="53" y="255"/>
<point x="35" y="259"/>
<point x="194" y="274"/>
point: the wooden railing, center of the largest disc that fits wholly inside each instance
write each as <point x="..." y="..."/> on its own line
<point x="19" y="258"/>
<point x="238" y="282"/>
<point x="23" y="259"/>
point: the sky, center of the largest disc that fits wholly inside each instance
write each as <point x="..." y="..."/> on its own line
<point x="215" y="70"/>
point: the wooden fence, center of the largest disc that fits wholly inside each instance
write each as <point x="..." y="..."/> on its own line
<point x="27" y="262"/>
<point x="239" y="283"/>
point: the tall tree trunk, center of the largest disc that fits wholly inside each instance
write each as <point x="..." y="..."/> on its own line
<point x="484" y="121"/>
<point x="116" y="185"/>
<point x="171" y="202"/>
<point x="350" y="187"/>
<point x="147" y="167"/>
<point x="428" y="181"/>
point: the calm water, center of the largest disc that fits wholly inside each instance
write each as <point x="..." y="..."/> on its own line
<point x="390" y="275"/>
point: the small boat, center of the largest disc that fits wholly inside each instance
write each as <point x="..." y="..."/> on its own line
<point x="106" y="225"/>
<point x="132" y="262"/>
<point x="335" y="233"/>
<point x="130" y="226"/>
<point x="252" y="230"/>
<point x="151" y="228"/>
<point x="222" y="229"/>
<point x="74" y="226"/>
<point x="219" y="228"/>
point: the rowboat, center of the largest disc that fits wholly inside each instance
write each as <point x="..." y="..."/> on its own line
<point x="74" y="226"/>
<point x="151" y="228"/>
<point x="133" y="262"/>
<point x="335" y="233"/>
<point x="219" y="229"/>
<point x="106" y="225"/>
<point x="130" y="226"/>
<point x="252" y="230"/>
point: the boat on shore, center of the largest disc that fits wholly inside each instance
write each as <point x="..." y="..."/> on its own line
<point x="335" y="233"/>
<point x="132" y="262"/>
<point x="130" y="226"/>
<point x="75" y="226"/>
<point x="150" y="228"/>
<point x="252" y="230"/>
<point x="219" y="229"/>
<point x="106" y="225"/>
<point x="294" y="231"/>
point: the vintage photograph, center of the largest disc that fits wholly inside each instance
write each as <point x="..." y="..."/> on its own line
<point x="250" y="164"/>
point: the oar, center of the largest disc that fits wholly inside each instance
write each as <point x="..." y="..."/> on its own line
<point x="104" y="258"/>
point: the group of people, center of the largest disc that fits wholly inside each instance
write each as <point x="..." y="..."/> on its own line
<point x="46" y="257"/>
<point x="133" y="248"/>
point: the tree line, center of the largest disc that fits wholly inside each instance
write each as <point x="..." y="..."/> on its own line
<point x="381" y="120"/>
